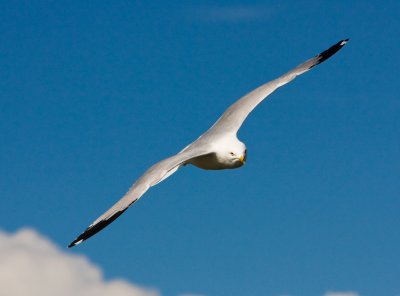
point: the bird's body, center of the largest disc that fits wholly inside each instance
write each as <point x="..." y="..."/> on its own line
<point x="229" y="153"/>
<point x="217" y="149"/>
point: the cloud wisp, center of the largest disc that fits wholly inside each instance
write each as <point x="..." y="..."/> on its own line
<point x="230" y="14"/>
<point x="341" y="294"/>
<point x="32" y="265"/>
<point x="335" y="293"/>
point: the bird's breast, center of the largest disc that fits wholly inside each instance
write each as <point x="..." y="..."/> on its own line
<point x="212" y="162"/>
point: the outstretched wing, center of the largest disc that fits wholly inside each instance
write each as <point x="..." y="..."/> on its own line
<point x="234" y="116"/>
<point x="157" y="173"/>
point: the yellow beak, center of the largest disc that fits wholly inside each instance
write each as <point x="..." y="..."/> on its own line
<point x="241" y="158"/>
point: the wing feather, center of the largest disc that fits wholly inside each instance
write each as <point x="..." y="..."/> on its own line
<point x="234" y="116"/>
<point x="155" y="174"/>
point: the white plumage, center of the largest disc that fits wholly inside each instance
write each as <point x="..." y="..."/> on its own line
<point x="217" y="149"/>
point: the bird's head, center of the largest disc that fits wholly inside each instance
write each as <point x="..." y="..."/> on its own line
<point x="237" y="155"/>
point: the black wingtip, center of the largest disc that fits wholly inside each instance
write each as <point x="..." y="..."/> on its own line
<point x="77" y="241"/>
<point x="92" y="230"/>
<point x="74" y="243"/>
<point x="331" y="51"/>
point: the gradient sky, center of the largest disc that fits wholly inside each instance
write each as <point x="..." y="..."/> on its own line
<point x="94" y="92"/>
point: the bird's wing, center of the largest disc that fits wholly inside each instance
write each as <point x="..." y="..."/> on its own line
<point x="234" y="116"/>
<point x="155" y="174"/>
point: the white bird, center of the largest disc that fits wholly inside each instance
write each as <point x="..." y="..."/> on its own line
<point x="217" y="149"/>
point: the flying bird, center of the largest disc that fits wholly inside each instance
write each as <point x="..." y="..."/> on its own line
<point x="217" y="149"/>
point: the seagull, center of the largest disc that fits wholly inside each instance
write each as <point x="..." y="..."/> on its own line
<point x="217" y="149"/>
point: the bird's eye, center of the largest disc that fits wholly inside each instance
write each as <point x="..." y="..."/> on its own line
<point x="231" y="153"/>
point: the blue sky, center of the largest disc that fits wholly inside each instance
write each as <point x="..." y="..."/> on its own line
<point x="93" y="93"/>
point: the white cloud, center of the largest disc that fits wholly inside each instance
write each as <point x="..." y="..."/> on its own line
<point x="341" y="294"/>
<point x="31" y="265"/>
